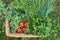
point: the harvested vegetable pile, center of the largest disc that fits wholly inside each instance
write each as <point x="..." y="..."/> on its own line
<point x="34" y="12"/>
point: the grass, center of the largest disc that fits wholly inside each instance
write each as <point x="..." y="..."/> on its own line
<point x="4" y="37"/>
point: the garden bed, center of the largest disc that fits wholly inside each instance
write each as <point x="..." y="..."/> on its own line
<point x="35" y="12"/>
<point x="8" y="33"/>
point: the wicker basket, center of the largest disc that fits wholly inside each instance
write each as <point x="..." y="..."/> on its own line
<point x="8" y="33"/>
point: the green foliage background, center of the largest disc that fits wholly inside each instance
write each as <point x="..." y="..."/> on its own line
<point x="47" y="26"/>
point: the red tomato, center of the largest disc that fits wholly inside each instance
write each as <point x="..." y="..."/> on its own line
<point x="26" y="24"/>
<point x="23" y="27"/>
<point x="18" y="30"/>
<point x="21" y="23"/>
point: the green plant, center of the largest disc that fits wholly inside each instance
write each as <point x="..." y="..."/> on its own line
<point x="36" y="13"/>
